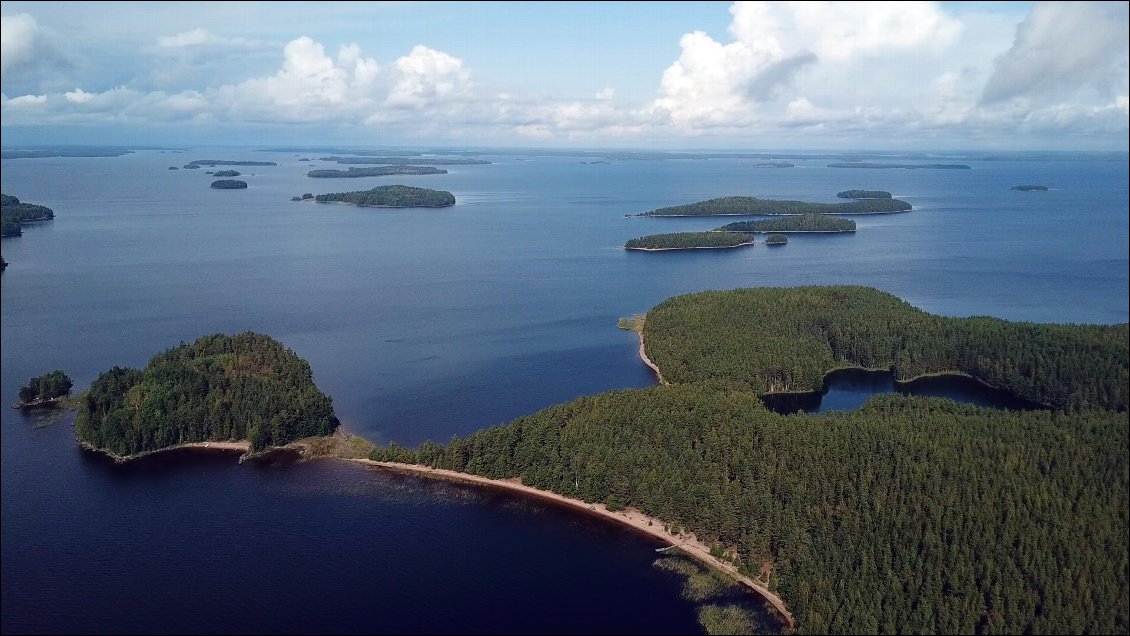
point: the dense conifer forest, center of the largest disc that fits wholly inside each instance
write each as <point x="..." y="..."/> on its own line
<point x="752" y="206"/>
<point x="391" y="196"/>
<point x="799" y="223"/>
<point x="864" y="194"/>
<point x="13" y="213"/>
<point x="378" y="171"/>
<point x="48" y="386"/>
<point x="689" y="240"/>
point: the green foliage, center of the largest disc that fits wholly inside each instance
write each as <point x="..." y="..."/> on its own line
<point x="48" y="386"/>
<point x="403" y="161"/>
<point x="379" y="171"/>
<point x="768" y="340"/>
<point x="799" y="223"/>
<point x="226" y="173"/>
<point x="392" y="196"/>
<point x="229" y="184"/>
<point x="688" y="240"/>
<point x="13" y="213"/>
<point x="727" y="619"/>
<point x="10" y="228"/>
<point x="864" y="194"/>
<point x="776" y="239"/>
<point x="910" y="514"/>
<point x="752" y="206"/>
<point x="219" y="388"/>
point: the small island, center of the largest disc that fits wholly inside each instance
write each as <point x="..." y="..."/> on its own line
<point x="229" y="184"/>
<point x="221" y="388"/>
<point x="226" y="173"/>
<point x="753" y="206"/>
<point x="1029" y="188"/>
<point x="864" y="194"/>
<point x="212" y="163"/>
<point x="379" y="171"/>
<point x="799" y="223"/>
<point x="905" y="166"/>
<point x="404" y="161"/>
<point x="774" y="164"/>
<point x="13" y="214"/>
<point x="689" y="241"/>
<point x="173" y="168"/>
<point x="305" y="197"/>
<point x="190" y="166"/>
<point x="390" y="196"/>
<point x="776" y="239"/>
<point x="44" y="390"/>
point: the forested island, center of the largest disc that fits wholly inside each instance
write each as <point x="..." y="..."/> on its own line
<point x="212" y="163"/>
<point x="776" y="239"/>
<point x="379" y="171"/>
<point x="391" y="196"/>
<point x="226" y="173"/>
<point x="689" y="241"/>
<point x="798" y="223"/>
<point x="774" y="164"/>
<point x="219" y="388"/>
<point x="752" y="206"/>
<point x="864" y="194"/>
<point x="229" y="184"/>
<point x="44" y="389"/>
<point x="13" y="214"/>
<point x="910" y="514"/>
<point x="1030" y="188"/>
<point x="906" y="166"/>
<point x="404" y="161"/>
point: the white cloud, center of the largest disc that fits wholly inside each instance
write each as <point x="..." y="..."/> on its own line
<point x="26" y="100"/>
<point x="18" y="34"/>
<point x="1061" y="47"/>
<point x="195" y="37"/>
<point x="78" y="96"/>
<point x="606" y="93"/>
<point x="427" y="76"/>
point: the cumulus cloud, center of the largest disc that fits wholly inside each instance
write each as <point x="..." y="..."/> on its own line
<point x="78" y="96"/>
<point x="427" y="76"/>
<point x="26" y="100"/>
<point x="195" y="37"/>
<point x="1063" y="46"/>
<point x="24" y="45"/>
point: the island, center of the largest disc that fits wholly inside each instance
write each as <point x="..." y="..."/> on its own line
<point x="404" y="161"/>
<point x="221" y="388"/>
<point x="905" y="166"/>
<point x="689" y="241"/>
<point x="899" y="506"/>
<point x="774" y="164"/>
<point x="1029" y="188"/>
<point x="752" y="206"/>
<point x="13" y="214"/>
<point x="191" y="166"/>
<point x="798" y="223"/>
<point x="43" y="390"/>
<point x="391" y="196"/>
<point x="776" y="239"/>
<point x="212" y="163"/>
<point x="173" y="168"/>
<point x="229" y="184"/>
<point x="864" y="194"/>
<point x="381" y="171"/>
<point x="305" y="197"/>
<point x="226" y="173"/>
<point x="64" y="151"/>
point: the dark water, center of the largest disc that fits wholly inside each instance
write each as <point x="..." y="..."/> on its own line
<point x="423" y="324"/>
<point x="847" y="389"/>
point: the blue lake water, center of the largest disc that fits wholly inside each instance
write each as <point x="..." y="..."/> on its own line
<point x="422" y="324"/>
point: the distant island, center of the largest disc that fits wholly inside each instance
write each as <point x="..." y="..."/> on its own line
<point x="13" y="214"/>
<point x="864" y="194"/>
<point x="218" y="389"/>
<point x="381" y="171"/>
<point x="64" y="151"/>
<point x="688" y="241"/>
<point x="226" y="173"/>
<point x="752" y="206"/>
<point x="173" y="168"/>
<point x="212" y="163"/>
<point x="390" y="196"/>
<point x="404" y="161"/>
<point x="190" y="166"/>
<point x="305" y="197"/>
<point x="774" y="164"/>
<point x="798" y="223"/>
<point x="229" y="184"/>
<point x="44" y="389"/>
<point x="776" y="239"/>
<point x="1030" y="188"/>
<point x="907" y="166"/>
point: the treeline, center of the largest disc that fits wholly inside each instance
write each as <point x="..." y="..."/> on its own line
<point x="247" y="386"/>
<point x="688" y="240"/>
<point x="227" y="173"/>
<point x="802" y="333"/>
<point x="229" y="184"/>
<point x="1030" y="188"/>
<point x="212" y="163"/>
<point x="864" y="194"/>
<point x="907" y="166"/>
<point x="799" y="223"/>
<point x="48" y="386"/>
<point x="909" y="515"/>
<point x="404" y="161"/>
<point x="13" y="214"/>
<point x="392" y="196"/>
<point x="379" y="171"/>
<point x="752" y="206"/>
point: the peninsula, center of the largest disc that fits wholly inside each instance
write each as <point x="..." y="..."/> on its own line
<point x="906" y="166"/>
<point x="380" y="171"/>
<point x="752" y="206"/>
<point x="1030" y="188"/>
<point x="799" y="223"/>
<point x="13" y="214"/>
<point x="390" y="196"/>
<point x="864" y="194"/>
<point x="689" y="241"/>
<point x="229" y="184"/>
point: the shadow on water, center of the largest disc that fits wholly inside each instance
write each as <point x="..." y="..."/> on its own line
<point x="847" y="389"/>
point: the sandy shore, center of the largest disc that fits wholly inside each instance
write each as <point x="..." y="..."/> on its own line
<point x="646" y="360"/>
<point x="240" y="445"/>
<point x="632" y="518"/>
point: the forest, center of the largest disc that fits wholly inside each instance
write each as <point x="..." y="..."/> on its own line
<point x="404" y="161"/>
<point x="229" y="184"/>
<point x="689" y="240"/>
<point x="906" y="166"/>
<point x="226" y="173"/>
<point x="1030" y="188"/>
<point x="798" y="223"/>
<point x="776" y="239"/>
<point x="48" y="386"/>
<point x="13" y="213"/>
<point x="212" y="163"/>
<point x="219" y="388"/>
<point x="786" y="339"/>
<point x="752" y="206"/>
<point x="392" y="196"/>
<point x="378" y="171"/>
<point x="864" y="194"/>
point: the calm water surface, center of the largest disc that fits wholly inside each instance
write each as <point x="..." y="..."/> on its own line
<point x="423" y="324"/>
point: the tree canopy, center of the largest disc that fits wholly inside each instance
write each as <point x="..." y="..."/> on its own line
<point x="752" y="206"/>
<point x="48" y="386"/>
<point x="689" y="240"/>
<point x="391" y="196"/>
<point x="798" y="223"/>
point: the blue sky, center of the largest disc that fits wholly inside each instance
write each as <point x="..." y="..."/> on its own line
<point x="652" y="75"/>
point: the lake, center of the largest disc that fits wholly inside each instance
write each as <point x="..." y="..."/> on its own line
<point x="423" y="324"/>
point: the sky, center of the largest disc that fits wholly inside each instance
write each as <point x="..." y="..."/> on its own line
<point x="703" y="75"/>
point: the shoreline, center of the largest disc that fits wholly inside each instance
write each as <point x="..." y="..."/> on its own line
<point x="691" y="216"/>
<point x="236" y="445"/>
<point x="678" y="249"/>
<point x="630" y="517"/>
<point x="646" y="360"/>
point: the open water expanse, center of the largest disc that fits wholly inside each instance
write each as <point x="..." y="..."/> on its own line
<point x="423" y="324"/>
